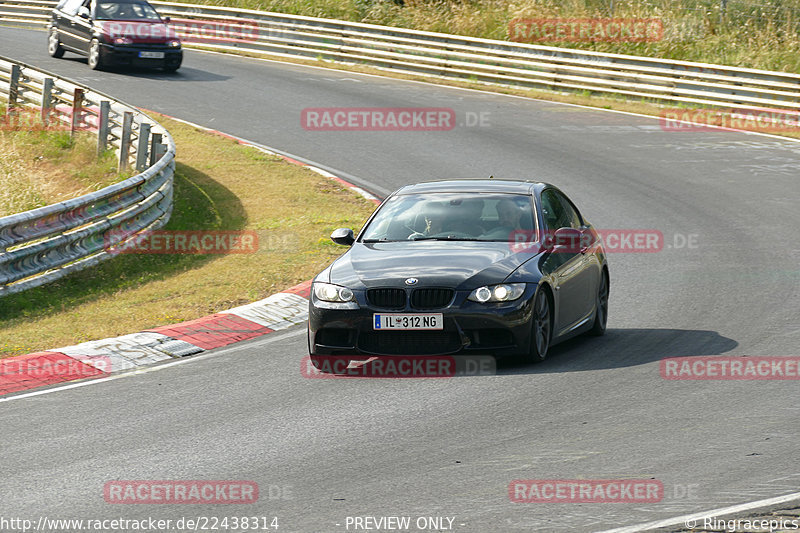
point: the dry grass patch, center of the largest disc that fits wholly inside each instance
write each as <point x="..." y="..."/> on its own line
<point x="38" y="168"/>
<point x="762" y="34"/>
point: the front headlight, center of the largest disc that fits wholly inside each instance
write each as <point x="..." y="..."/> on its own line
<point x="332" y="293"/>
<point x="497" y="293"/>
<point x="174" y="43"/>
<point x="123" y="40"/>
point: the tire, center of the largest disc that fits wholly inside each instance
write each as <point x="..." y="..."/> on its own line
<point x="601" y="314"/>
<point x="95" y="55"/>
<point x="541" y="327"/>
<point x="54" y="44"/>
<point x="174" y="67"/>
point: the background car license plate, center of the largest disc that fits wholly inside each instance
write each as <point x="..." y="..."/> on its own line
<point x="151" y="55"/>
<point x="401" y="321"/>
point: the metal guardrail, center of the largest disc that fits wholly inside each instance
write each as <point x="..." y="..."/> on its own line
<point x="452" y="56"/>
<point x="71" y="232"/>
<point x="44" y="244"/>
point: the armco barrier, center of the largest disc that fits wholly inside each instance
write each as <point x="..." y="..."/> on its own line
<point x="452" y="56"/>
<point x="44" y="244"/>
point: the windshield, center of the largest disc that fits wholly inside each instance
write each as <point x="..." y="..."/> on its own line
<point x="125" y="11"/>
<point x="452" y="216"/>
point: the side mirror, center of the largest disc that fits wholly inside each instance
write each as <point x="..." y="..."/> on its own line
<point x="84" y="12"/>
<point x="567" y="241"/>
<point x="343" y="236"/>
<point x="166" y="20"/>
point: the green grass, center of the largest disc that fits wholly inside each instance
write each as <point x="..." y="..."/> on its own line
<point x="40" y="167"/>
<point x="762" y="34"/>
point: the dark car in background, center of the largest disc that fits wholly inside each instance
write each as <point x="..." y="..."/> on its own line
<point x="498" y="267"/>
<point x="114" y="32"/>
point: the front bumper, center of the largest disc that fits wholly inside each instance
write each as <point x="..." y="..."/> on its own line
<point x="131" y="55"/>
<point x="500" y="329"/>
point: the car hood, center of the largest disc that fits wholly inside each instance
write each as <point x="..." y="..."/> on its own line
<point x="139" y="31"/>
<point x="461" y="265"/>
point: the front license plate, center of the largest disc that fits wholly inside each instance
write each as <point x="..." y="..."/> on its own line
<point x="400" y="321"/>
<point x="151" y="55"/>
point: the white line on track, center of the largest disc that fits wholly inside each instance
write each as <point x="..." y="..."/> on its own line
<point x="695" y="519"/>
<point x="267" y="339"/>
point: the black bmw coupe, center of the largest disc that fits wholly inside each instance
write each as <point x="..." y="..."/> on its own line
<point x="500" y="267"/>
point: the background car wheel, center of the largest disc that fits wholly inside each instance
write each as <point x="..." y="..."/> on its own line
<point x="95" y="55"/>
<point x="542" y="327"/>
<point x="173" y="67"/>
<point x="54" y="44"/>
<point x="601" y="316"/>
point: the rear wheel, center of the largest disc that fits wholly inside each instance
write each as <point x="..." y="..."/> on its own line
<point x="601" y="315"/>
<point x="541" y="328"/>
<point x="95" y="55"/>
<point x="54" y="44"/>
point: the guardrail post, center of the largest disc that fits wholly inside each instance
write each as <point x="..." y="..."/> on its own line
<point x="77" y="110"/>
<point x="102" y="130"/>
<point x="13" y="87"/>
<point x="141" y="147"/>
<point x="125" y="140"/>
<point x="47" y="101"/>
<point x="47" y="243"/>
<point x="157" y="150"/>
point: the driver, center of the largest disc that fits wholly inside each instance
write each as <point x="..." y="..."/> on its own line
<point x="433" y="217"/>
<point x="509" y="215"/>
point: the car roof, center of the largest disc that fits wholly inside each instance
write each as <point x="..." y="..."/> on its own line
<point x="473" y="185"/>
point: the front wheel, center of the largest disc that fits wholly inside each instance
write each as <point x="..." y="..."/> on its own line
<point x="172" y="67"/>
<point x="54" y="44"/>
<point x="541" y="328"/>
<point x="601" y="314"/>
<point x="95" y="55"/>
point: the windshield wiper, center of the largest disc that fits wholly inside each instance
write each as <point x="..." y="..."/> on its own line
<point x="446" y="239"/>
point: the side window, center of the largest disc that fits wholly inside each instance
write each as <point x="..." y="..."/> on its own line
<point x="571" y="214"/>
<point x="553" y="212"/>
<point x="71" y="6"/>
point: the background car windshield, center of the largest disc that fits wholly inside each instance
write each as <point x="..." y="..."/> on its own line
<point x="125" y="11"/>
<point x="452" y="216"/>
